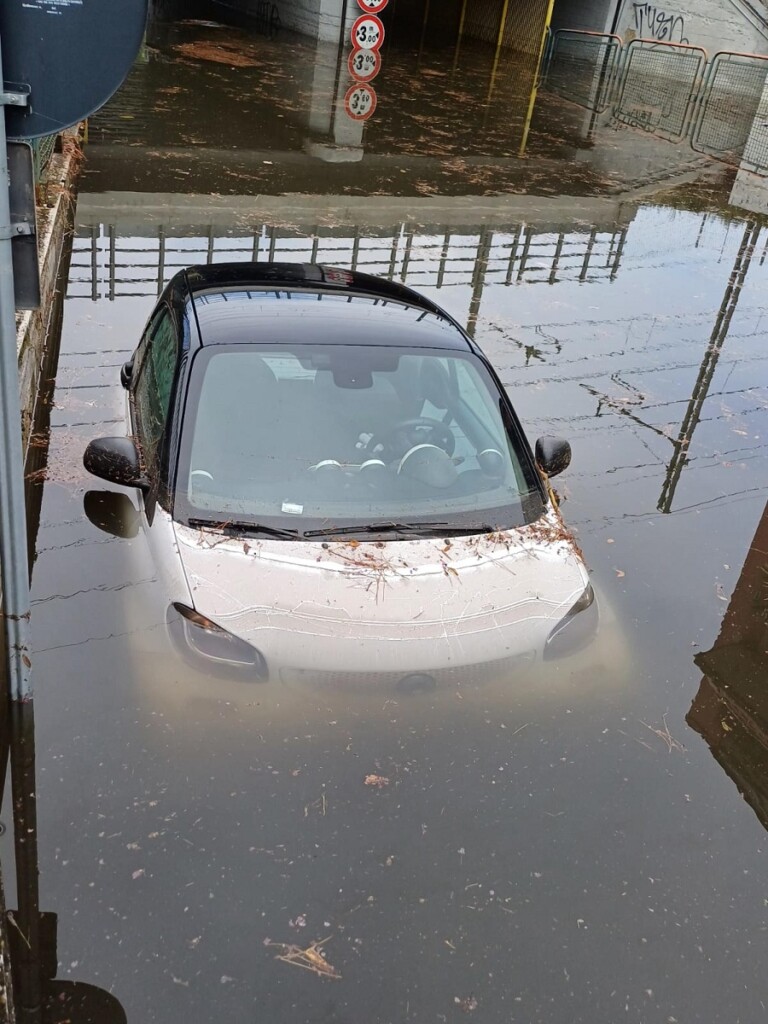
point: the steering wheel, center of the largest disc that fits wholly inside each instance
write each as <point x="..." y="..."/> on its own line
<point x="408" y="433"/>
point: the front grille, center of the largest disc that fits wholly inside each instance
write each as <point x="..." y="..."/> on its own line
<point x="445" y="678"/>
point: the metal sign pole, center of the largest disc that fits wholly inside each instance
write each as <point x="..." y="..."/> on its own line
<point x="13" y="517"/>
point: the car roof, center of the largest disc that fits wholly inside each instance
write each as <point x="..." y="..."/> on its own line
<point x="282" y="303"/>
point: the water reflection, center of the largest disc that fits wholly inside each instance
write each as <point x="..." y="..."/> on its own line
<point x="731" y="708"/>
<point x="218" y="825"/>
<point x="121" y="251"/>
<point x="692" y="416"/>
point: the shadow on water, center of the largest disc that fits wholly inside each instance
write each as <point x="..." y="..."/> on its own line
<point x="730" y="710"/>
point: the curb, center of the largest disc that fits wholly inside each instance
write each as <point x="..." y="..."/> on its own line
<point x="55" y="218"/>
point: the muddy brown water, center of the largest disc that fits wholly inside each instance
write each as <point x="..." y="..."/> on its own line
<point x="583" y="848"/>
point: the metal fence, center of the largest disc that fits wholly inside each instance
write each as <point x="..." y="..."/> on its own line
<point x="729" y="102"/>
<point x="659" y="85"/>
<point x="108" y="265"/>
<point x="42" y="151"/>
<point x="668" y="89"/>
<point x="582" y="67"/>
<point x="755" y="157"/>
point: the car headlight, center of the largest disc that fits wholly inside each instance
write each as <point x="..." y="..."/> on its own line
<point x="576" y="629"/>
<point x="217" y="645"/>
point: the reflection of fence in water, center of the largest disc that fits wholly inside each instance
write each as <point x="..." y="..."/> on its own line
<point x="106" y="265"/>
<point x="667" y="89"/>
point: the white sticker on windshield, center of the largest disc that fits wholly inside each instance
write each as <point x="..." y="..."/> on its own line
<point x="291" y="509"/>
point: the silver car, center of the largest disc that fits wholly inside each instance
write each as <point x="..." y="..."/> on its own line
<point x="335" y="486"/>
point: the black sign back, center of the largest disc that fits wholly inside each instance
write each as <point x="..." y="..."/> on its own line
<point x="72" y="54"/>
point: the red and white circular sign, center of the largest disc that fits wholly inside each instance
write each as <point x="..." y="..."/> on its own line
<point x="373" y="6"/>
<point x="367" y="33"/>
<point x="360" y="102"/>
<point x="364" y="65"/>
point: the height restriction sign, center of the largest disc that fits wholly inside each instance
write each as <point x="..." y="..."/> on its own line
<point x="364" y="65"/>
<point x="372" y="6"/>
<point x="367" y="33"/>
<point x="360" y="102"/>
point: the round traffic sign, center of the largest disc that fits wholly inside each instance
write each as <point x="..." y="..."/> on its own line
<point x="360" y="102"/>
<point x="364" y="65"/>
<point x="373" y="6"/>
<point x="367" y="33"/>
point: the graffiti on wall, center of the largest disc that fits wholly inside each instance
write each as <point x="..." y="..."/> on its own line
<point x="653" y="22"/>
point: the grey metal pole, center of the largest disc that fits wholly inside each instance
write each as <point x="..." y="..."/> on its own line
<point x="13" y="517"/>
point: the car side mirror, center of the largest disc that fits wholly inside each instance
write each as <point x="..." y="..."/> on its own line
<point x="112" y="512"/>
<point x="126" y="373"/>
<point x="553" y="454"/>
<point x="115" y="459"/>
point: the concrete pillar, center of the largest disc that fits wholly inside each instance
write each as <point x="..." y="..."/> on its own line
<point x="340" y="136"/>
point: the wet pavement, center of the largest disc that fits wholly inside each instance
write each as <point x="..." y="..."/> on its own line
<point x="584" y="846"/>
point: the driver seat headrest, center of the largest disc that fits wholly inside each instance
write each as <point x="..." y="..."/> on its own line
<point x="436" y="384"/>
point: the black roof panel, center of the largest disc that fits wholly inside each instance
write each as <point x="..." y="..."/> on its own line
<point x="276" y="303"/>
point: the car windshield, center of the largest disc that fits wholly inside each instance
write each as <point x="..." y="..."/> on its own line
<point x="315" y="437"/>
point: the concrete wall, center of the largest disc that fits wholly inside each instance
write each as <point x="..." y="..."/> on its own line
<point x="318" y="19"/>
<point x="712" y="24"/>
<point x="585" y="15"/>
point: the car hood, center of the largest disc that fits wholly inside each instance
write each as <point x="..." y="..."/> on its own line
<point x="381" y="590"/>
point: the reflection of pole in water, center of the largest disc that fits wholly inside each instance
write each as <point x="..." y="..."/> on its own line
<point x="460" y="34"/>
<point x="709" y="364"/>
<point x="478" y="279"/>
<point x="38" y="996"/>
<point x="27" y="952"/>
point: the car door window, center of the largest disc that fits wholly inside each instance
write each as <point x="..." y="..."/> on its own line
<point x="154" y="386"/>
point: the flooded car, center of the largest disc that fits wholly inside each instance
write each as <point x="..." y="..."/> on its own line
<point x="334" y="484"/>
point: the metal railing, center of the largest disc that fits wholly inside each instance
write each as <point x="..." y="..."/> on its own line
<point x="659" y="85"/>
<point x="42" y="151"/>
<point x="668" y="89"/>
<point x="582" y="67"/>
<point x="729" y="102"/>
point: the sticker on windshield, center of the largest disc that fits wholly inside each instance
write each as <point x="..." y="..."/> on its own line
<point x="292" y="509"/>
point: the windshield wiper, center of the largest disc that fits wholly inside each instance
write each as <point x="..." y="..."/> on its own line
<point x="429" y="529"/>
<point x="234" y="526"/>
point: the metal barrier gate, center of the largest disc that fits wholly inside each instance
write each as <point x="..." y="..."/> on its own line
<point x="659" y="85"/>
<point x="755" y="156"/>
<point x="729" y="104"/>
<point x="668" y="89"/>
<point x="582" y="67"/>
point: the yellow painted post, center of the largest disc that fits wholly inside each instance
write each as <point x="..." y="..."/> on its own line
<point x="462" y="19"/>
<point x="535" y="87"/>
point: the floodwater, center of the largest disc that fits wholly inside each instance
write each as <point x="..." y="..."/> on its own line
<point x="584" y="848"/>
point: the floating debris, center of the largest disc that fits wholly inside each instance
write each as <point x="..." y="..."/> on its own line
<point x="311" y="959"/>
<point x="379" y="781"/>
